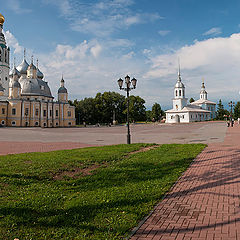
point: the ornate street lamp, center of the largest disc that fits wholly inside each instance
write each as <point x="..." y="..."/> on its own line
<point x="231" y="104"/>
<point x="127" y="88"/>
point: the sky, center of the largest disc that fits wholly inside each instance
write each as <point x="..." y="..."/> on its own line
<point x="93" y="43"/>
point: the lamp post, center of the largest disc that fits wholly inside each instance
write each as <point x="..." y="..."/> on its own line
<point x="231" y="104"/>
<point x="127" y="88"/>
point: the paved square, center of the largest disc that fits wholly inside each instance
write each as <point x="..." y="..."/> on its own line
<point x="19" y="140"/>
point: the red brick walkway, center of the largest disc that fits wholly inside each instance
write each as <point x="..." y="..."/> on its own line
<point x="23" y="147"/>
<point x="205" y="202"/>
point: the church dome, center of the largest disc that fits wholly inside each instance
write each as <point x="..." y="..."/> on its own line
<point x="179" y="84"/>
<point x="2" y="19"/>
<point x="14" y="72"/>
<point x="39" y="74"/>
<point x="22" y="68"/>
<point x="31" y="66"/>
<point x="62" y="90"/>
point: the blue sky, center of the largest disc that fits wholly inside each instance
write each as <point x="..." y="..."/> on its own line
<point x="94" y="42"/>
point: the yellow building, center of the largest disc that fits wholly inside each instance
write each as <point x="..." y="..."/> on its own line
<point x="26" y="99"/>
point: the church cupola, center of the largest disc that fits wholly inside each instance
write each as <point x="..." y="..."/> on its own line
<point x="62" y="92"/>
<point x="203" y="92"/>
<point x="32" y="71"/>
<point x="14" y="85"/>
<point x="22" y="68"/>
<point x="39" y="73"/>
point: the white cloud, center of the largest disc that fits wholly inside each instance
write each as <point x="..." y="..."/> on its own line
<point x="95" y="50"/>
<point x="164" y="32"/>
<point x="215" y="59"/>
<point x="102" y="17"/>
<point x="213" y="31"/>
<point x="15" y="6"/>
<point x="12" y="42"/>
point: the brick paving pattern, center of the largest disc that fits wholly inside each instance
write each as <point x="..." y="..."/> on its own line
<point x="205" y="202"/>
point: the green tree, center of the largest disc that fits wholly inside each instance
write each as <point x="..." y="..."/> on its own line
<point x="149" y="115"/>
<point x="191" y="100"/>
<point x="220" y="111"/>
<point x="237" y="110"/>
<point x="137" y="110"/>
<point x="157" y="112"/>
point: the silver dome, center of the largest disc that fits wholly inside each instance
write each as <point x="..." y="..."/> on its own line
<point x="39" y="74"/>
<point x="34" y="87"/>
<point x="62" y="90"/>
<point x="179" y="84"/>
<point x="22" y="68"/>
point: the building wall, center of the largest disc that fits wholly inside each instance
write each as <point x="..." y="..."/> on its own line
<point x="36" y="113"/>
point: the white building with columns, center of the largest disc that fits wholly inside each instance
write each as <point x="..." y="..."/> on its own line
<point x="182" y="112"/>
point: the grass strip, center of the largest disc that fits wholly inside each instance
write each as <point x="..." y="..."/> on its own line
<point x="105" y="204"/>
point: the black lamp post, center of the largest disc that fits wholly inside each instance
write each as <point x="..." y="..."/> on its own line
<point x="127" y="88"/>
<point x="231" y="104"/>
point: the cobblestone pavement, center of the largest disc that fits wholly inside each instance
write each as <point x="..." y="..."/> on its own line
<point x="205" y="202"/>
<point x="18" y="140"/>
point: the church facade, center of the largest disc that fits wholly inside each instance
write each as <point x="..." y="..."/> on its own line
<point x="182" y="112"/>
<point x="26" y="99"/>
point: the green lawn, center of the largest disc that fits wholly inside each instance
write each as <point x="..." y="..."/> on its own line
<point x="55" y="195"/>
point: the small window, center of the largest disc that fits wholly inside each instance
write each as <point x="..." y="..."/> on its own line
<point x="26" y="124"/>
<point x="44" y="113"/>
<point x="183" y="116"/>
<point x="69" y="123"/>
<point x="69" y="113"/>
<point x="50" y="113"/>
<point x="3" y="122"/>
<point x="36" y="123"/>
<point x="36" y="113"/>
<point x="44" y="124"/>
<point x="13" y="123"/>
<point x="176" y="93"/>
<point x="3" y="110"/>
<point x="180" y="93"/>
<point x="56" y="113"/>
<point x="14" y="111"/>
<point x="36" y="99"/>
<point x="28" y="98"/>
<point x="26" y="111"/>
<point x="6" y="78"/>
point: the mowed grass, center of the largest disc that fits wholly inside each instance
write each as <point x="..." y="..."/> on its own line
<point x="38" y="202"/>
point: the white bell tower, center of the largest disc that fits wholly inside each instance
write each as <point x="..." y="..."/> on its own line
<point x="203" y="92"/>
<point x="4" y="59"/>
<point x="179" y="101"/>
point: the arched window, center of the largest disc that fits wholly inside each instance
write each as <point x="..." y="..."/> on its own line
<point x="176" y="93"/>
<point x="180" y="93"/>
<point x="0" y="55"/>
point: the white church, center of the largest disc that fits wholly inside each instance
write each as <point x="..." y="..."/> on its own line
<point x="182" y="112"/>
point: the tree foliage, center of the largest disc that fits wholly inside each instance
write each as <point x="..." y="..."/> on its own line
<point x="157" y="112"/>
<point x="221" y="112"/>
<point x="191" y="100"/>
<point x="237" y="110"/>
<point x="101" y="108"/>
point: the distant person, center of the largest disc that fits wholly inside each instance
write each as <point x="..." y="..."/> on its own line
<point x="228" y="123"/>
